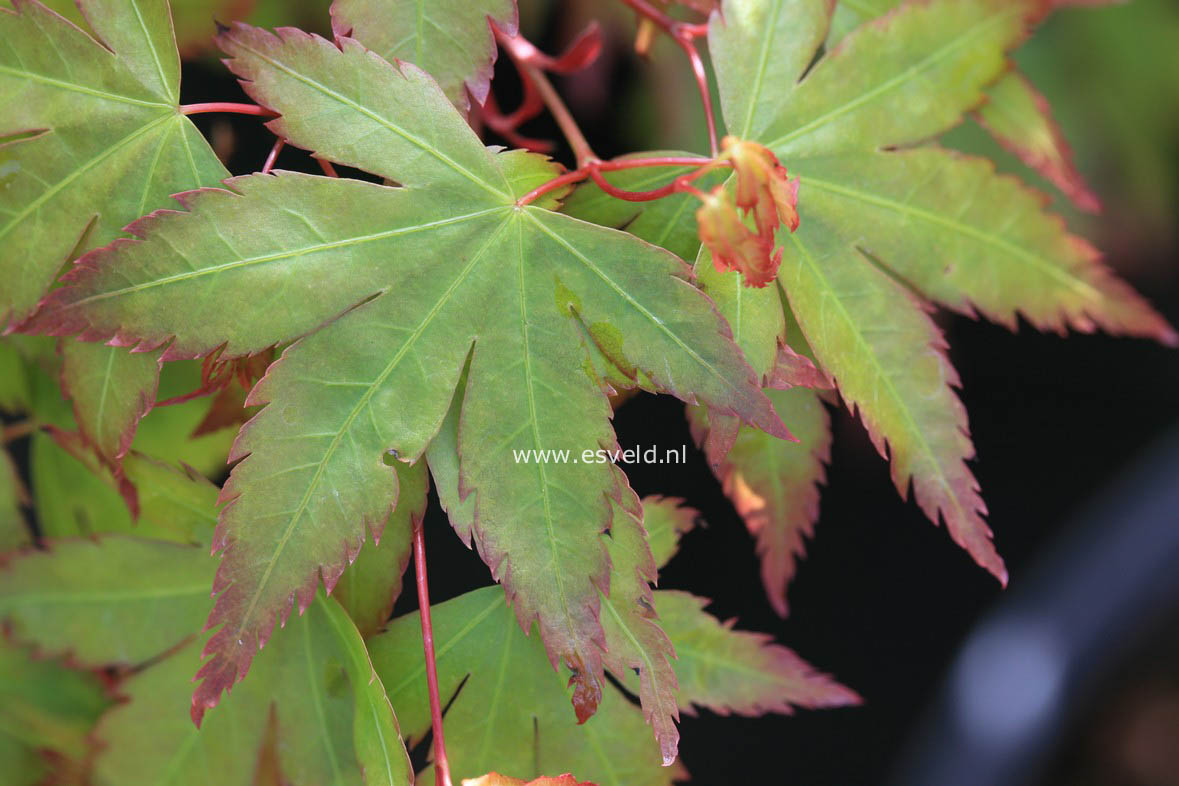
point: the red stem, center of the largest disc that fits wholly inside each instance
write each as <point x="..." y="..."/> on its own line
<point x="15" y="431"/>
<point x="441" y="766"/>
<point x="521" y="52"/>
<point x="227" y="106"/>
<point x="593" y="170"/>
<point x="685" y="34"/>
<point x="327" y="167"/>
<point x="274" y="151"/>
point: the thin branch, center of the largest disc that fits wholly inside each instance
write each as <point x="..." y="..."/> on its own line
<point x="18" y="430"/>
<point x="582" y="151"/>
<point x="685" y="34"/>
<point x="274" y="151"/>
<point x="441" y="766"/>
<point x="327" y="167"/>
<point x="227" y="106"/>
<point x="593" y="170"/>
<point x="522" y="53"/>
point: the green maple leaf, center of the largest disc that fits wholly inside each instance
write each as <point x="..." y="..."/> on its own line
<point x="632" y="637"/>
<point x="420" y="274"/>
<point x="510" y="713"/>
<point x="333" y="717"/>
<point x="192" y="20"/>
<point x="47" y="711"/>
<point x="372" y="583"/>
<point x="449" y="39"/>
<point x="76" y="493"/>
<point x="774" y="484"/>
<point x="48" y="596"/>
<point x="111" y="389"/>
<point x="943" y="224"/>
<point x="14" y="530"/>
<point x="334" y="723"/>
<point x="90" y="121"/>
<point x="1015" y="113"/>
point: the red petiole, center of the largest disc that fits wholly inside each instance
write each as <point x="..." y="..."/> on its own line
<point x="441" y="765"/>
<point x="593" y="170"/>
<point x="228" y="107"/>
<point x="684" y="34"/>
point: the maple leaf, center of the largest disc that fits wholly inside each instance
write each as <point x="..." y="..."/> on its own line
<point x="47" y="598"/>
<point x="1002" y="254"/>
<point x="632" y="637"/>
<point x="420" y="274"/>
<point x="47" y="711"/>
<point x="371" y="584"/>
<point x="126" y="81"/>
<point x="152" y="597"/>
<point x="76" y="493"/>
<point x="727" y="670"/>
<point x="452" y="40"/>
<point x="1015" y="113"/>
<point x="192" y="20"/>
<point x="334" y="723"/>
<point x="111" y="389"/>
<point x="774" y="484"/>
<point x="14" y="530"/>
<point x="942" y="223"/>
<point x="509" y="714"/>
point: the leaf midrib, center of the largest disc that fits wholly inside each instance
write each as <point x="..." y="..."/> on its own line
<point x="86" y="597"/>
<point x="762" y="66"/>
<point x="658" y="323"/>
<point x="77" y="88"/>
<point x="881" y="376"/>
<point x="81" y="170"/>
<point x="1083" y="288"/>
<point x="533" y="422"/>
<point x="343" y="243"/>
<point x="398" y="130"/>
<point x="298" y="512"/>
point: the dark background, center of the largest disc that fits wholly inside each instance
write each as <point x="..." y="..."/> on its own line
<point x="884" y="600"/>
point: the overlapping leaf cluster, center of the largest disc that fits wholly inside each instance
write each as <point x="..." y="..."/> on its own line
<point x="439" y="319"/>
<point x="890" y="227"/>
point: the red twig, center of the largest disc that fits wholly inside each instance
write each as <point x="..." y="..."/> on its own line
<point x="274" y="151"/>
<point x="593" y="170"/>
<point x="441" y="766"/>
<point x="524" y="55"/>
<point x="685" y="34"/>
<point x="15" y="431"/>
<point x="227" y="106"/>
<point x="507" y="125"/>
<point x="327" y="167"/>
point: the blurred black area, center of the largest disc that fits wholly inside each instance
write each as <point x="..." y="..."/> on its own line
<point x="885" y="600"/>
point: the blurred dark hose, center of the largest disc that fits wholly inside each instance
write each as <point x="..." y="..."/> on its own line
<point x="1030" y="663"/>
